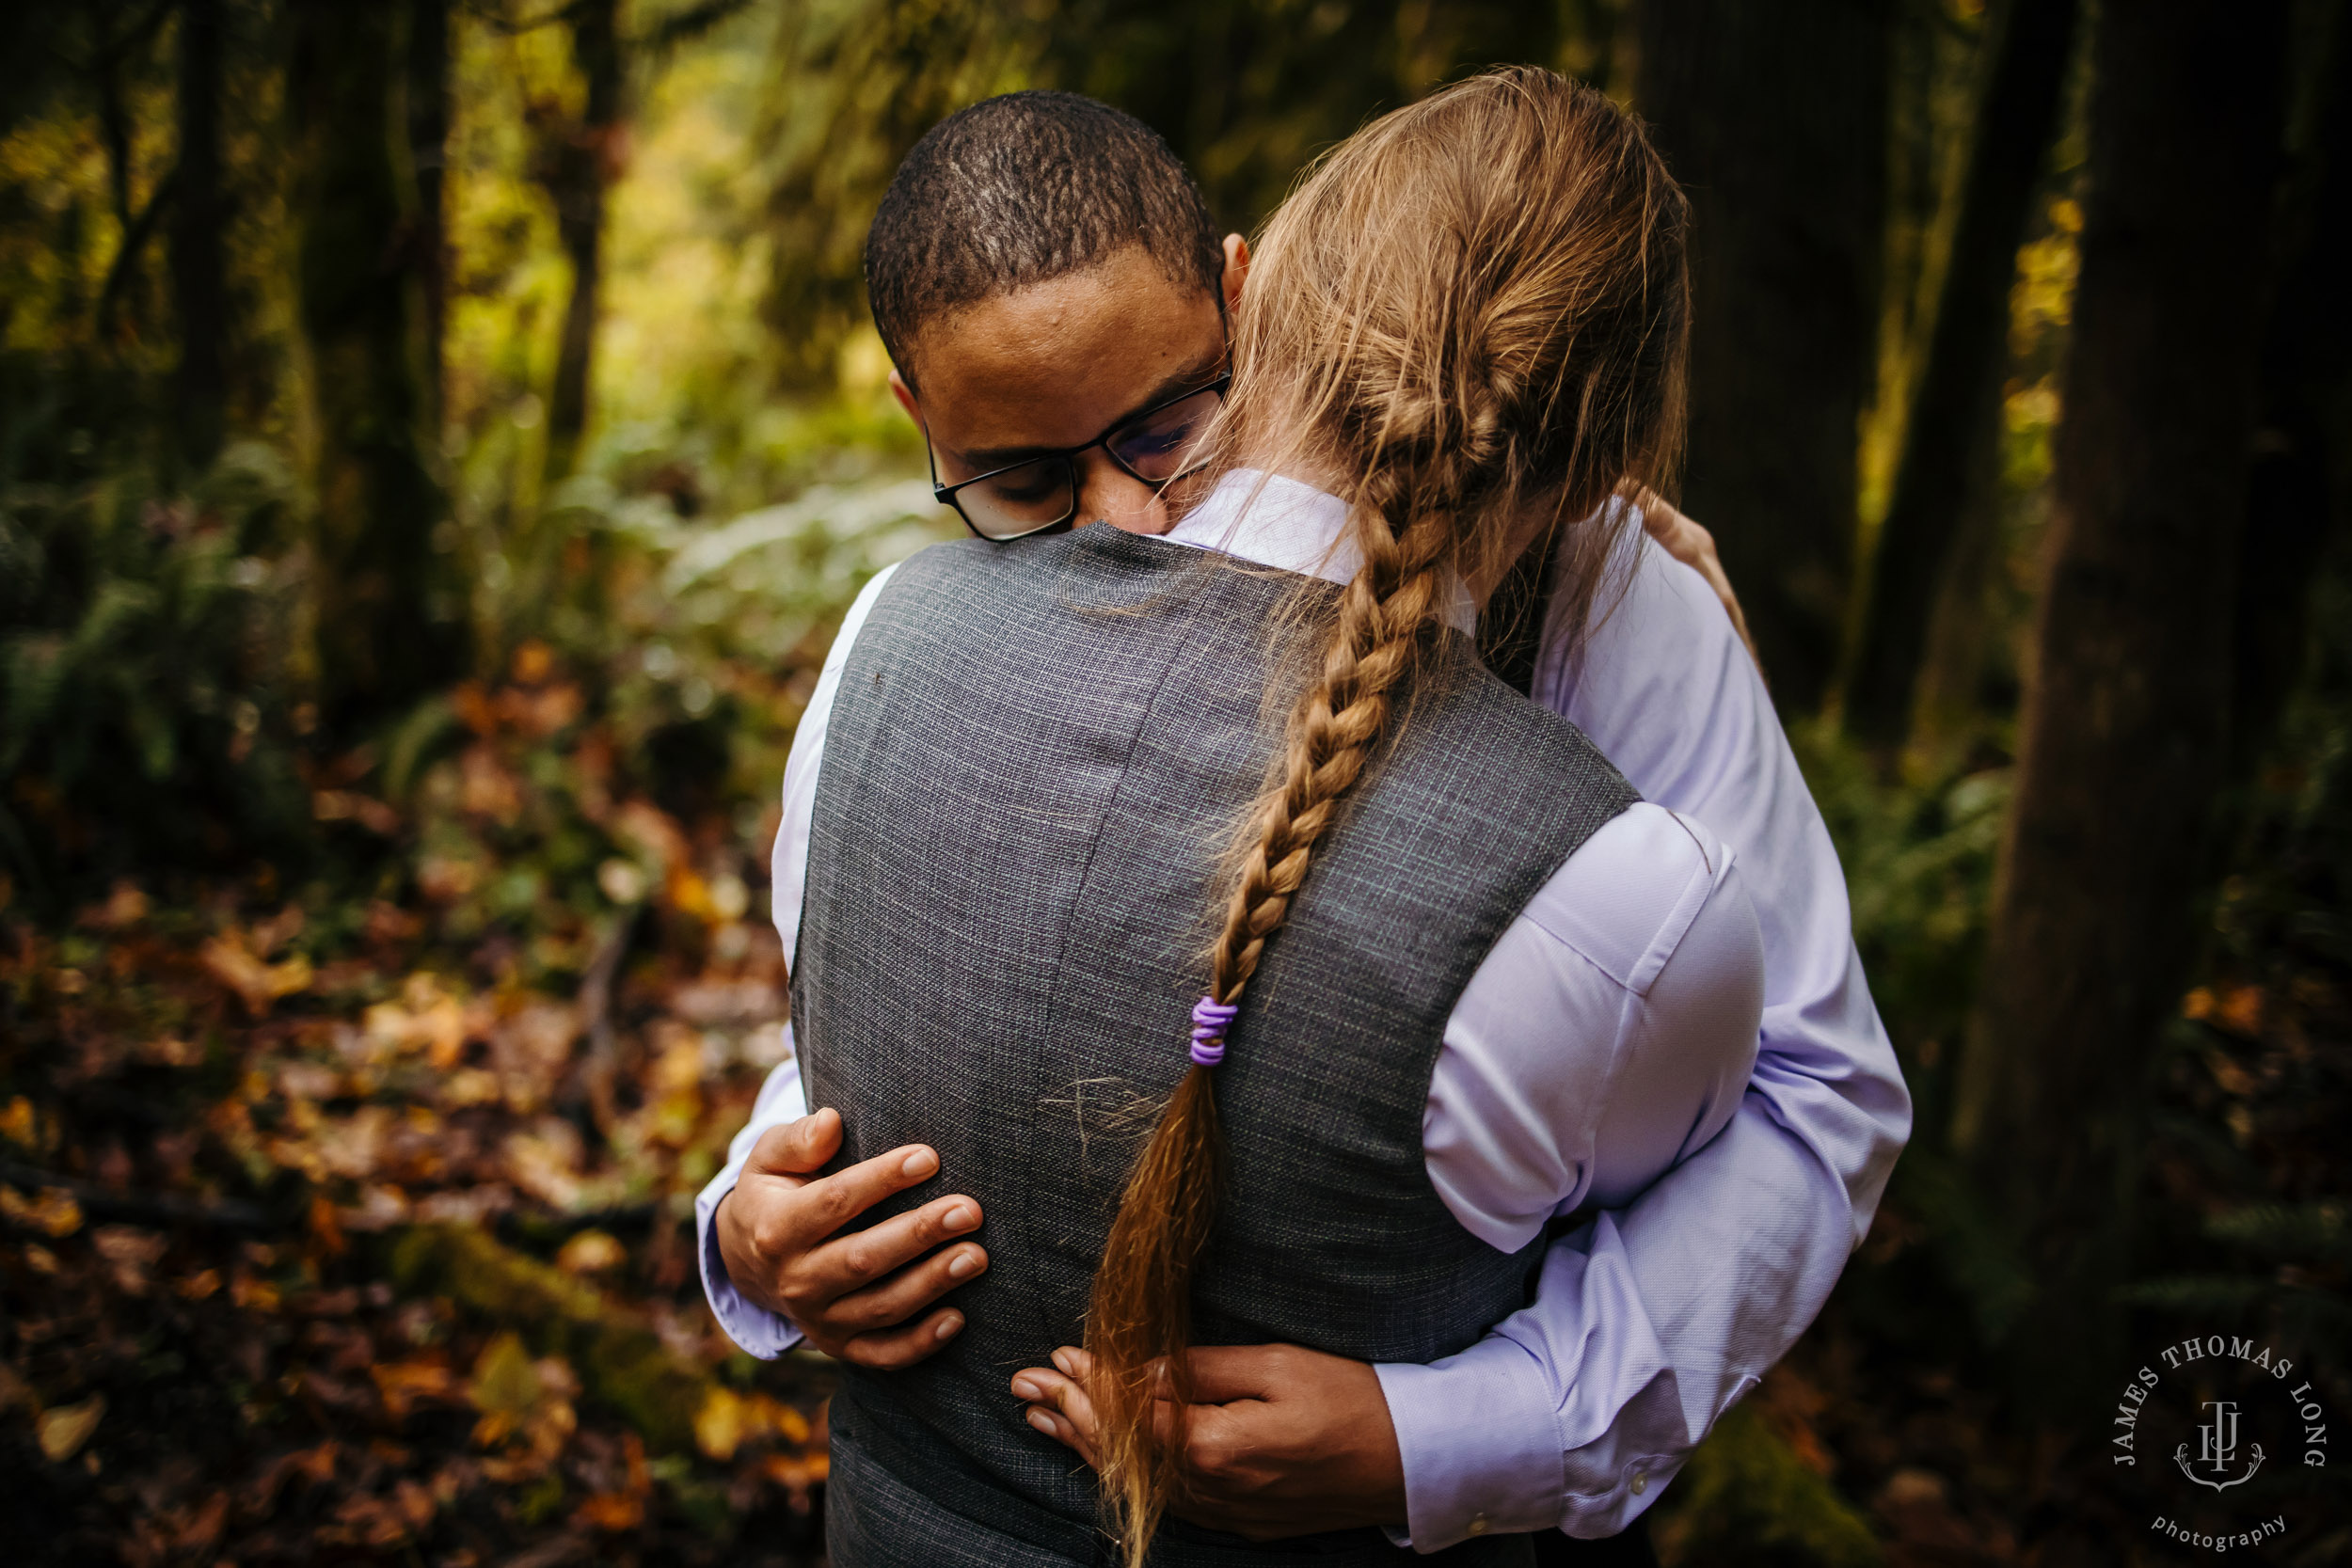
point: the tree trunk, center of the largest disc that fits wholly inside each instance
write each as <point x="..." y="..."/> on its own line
<point x="428" y="157"/>
<point x="2294" y="501"/>
<point x="1774" y="118"/>
<point x="200" y="272"/>
<point x="1953" y="690"/>
<point x="581" y="167"/>
<point x="2126" y="717"/>
<point x="391" y="608"/>
<point x="1958" y="401"/>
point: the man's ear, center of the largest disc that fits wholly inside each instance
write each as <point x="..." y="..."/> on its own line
<point x="905" y="395"/>
<point x="1237" y="269"/>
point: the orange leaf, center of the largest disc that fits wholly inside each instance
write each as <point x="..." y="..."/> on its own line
<point x="612" y="1511"/>
<point x="404" y="1385"/>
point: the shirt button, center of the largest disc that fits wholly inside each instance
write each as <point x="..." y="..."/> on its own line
<point x="1641" y="1483"/>
<point x="1478" y="1524"/>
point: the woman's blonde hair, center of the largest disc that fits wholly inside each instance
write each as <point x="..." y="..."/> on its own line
<point x="1468" y="321"/>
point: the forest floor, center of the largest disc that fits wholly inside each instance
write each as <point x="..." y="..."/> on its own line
<point x="337" y="1228"/>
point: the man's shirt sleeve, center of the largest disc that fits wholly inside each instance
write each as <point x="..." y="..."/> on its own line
<point x="762" y="1333"/>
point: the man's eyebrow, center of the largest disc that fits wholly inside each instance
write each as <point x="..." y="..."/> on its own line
<point x="986" y="459"/>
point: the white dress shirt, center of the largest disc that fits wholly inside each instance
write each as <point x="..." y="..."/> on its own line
<point x="1654" y="1317"/>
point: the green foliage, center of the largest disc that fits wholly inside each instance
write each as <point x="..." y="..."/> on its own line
<point x="149" y="657"/>
<point x="623" y="1360"/>
<point x="1919" y="858"/>
<point x="1745" y="1500"/>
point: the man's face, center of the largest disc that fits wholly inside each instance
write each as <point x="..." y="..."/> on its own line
<point x="1059" y="363"/>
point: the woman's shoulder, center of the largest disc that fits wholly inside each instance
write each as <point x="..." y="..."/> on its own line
<point x="1627" y="896"/>
<point x="1654" y="627"/>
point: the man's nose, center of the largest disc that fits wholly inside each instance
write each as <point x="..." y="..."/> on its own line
<point x="1110" y="493"/>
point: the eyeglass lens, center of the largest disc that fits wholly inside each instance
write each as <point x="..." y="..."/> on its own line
<point x="1166" y="441"/>
<point x="1021" y="501"/>
<point x="1161" y="446"/>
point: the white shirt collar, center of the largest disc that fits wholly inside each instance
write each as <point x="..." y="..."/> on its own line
<point x="1291" y="527"/>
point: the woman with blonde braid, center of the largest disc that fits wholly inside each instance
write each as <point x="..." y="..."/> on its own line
<point x="1228" y="836"/>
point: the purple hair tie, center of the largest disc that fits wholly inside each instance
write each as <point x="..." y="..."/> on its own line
<point x="1209" y="1020"/>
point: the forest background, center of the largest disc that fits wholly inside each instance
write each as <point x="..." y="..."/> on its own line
<point x="437" y="438"/>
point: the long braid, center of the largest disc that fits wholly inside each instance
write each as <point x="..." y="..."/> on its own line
<point x="1139" y="1318"/>
<point x="1507" y="348"/>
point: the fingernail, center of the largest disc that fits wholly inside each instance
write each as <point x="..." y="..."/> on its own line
<point x="948" y="1326"/>
<point x="958" y="1218"/>
<point x="1043" y="1422"/>
<point x="1023" y="1390"/>
<point x="920" y="1163"/>
<point x="963" y="1265"/>
<point x="1065" y="1364"/>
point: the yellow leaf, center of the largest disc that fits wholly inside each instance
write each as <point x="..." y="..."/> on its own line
<point x="504" y="1379"/>
<point x="591" y="1252"/>
<point x="720" y="1425"/>
<point x="53" y="1212"/>
<point x="64" y="1429"/>
<point x="796" y="1472"/>
<point x="689" y="894"/>
<point x="257" y="984"/>
<point x="785" y="1421"/>
<point x="17" y="1124"/>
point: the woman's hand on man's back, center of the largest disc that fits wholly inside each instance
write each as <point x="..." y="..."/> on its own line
<point x="1695" y="548"/>
<point x="1281" y="1440"/>
<point x="859" y="1298"/>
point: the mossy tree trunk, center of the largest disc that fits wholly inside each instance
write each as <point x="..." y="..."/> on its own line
<point x="582" y="166"/>
<point x="2128" y="714"/>
<point x="428" y="95"/>
<point x="1774" y="118"/>
<point x="392" y="623"/>
<point x="200" y="272"/>
<point x="1949" y="439"/>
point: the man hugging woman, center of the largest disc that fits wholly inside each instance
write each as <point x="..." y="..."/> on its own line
<point x="1329" y="1017"/>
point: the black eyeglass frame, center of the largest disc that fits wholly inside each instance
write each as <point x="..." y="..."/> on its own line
<point x="946" y="494"/>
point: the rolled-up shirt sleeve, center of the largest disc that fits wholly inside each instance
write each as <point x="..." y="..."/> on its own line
<point x="754" y="1329"/>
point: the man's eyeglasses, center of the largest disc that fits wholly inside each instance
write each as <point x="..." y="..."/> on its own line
<point x="1040" y="494"/>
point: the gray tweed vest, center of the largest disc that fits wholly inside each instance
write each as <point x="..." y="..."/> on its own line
<point x="1037" y="753"/>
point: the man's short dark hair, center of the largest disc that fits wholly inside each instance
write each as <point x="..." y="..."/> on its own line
<point x="1022" y="188"/>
